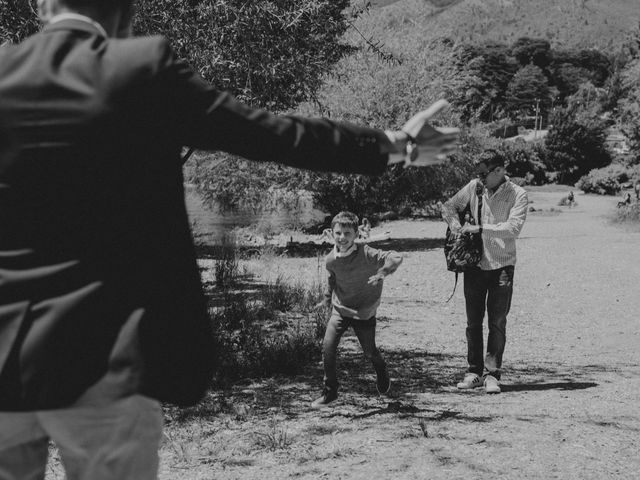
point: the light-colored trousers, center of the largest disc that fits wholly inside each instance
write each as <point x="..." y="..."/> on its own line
<point x="118" y="441"/>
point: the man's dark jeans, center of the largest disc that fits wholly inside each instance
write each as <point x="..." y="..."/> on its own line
<point x="489" y="290"/>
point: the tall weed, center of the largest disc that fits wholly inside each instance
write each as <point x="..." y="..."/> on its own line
<point x="271" y="329"/>
<point x="628" y="214"/>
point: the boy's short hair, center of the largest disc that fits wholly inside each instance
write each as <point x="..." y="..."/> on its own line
<point x="491" y="158"/>
<point x="345" y="219"/>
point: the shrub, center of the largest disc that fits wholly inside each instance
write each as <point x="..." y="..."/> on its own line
<point x="628" y="214"/>
<point x="272" y="330"/>
<point x="226" y="262"/>
<point x="604" y="181"/>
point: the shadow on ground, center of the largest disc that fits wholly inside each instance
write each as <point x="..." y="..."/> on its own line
<point x="413" y="372"/>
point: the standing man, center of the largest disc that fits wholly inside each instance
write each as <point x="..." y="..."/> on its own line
<point x="489" y="286"/>
<point x="101" y="308"/>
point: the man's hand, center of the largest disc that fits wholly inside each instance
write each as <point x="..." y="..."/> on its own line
<point x="433" y="144"/>
<point x="468" y="228"/>
<point x="375" y="279"/>
<point x="323" y="304"/>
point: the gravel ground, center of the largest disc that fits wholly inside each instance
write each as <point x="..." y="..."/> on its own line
<point x="569" y="407"/>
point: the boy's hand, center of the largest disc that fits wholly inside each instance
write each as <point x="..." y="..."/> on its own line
<point x="375" y="279"/>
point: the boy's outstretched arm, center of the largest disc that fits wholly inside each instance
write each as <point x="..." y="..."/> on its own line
<point x="391" y="264"/>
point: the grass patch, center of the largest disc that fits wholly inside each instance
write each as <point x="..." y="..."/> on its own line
<point x="629" y="214"/>
<point x="272" y="328"/>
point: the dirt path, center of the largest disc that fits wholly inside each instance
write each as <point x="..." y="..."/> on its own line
<point x="569" y="407"/>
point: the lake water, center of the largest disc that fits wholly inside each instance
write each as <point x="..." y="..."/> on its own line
<point x="209" y="224"/>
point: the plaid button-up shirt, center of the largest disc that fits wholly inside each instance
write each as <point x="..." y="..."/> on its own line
<point x="503" y="215"/>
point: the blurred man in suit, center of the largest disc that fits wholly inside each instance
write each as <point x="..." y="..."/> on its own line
<point x="101" y="310"/>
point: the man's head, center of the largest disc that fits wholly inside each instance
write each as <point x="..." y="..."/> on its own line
<point x="345" y="230"/>
<point x="490" y="168"/>
<point x="114" y="15"/>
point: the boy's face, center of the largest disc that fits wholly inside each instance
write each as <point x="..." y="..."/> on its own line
<point x="344" y="237"/>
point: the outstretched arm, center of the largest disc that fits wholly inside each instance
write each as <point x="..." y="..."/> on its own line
<point x="203" y="117"/>
<point x="391" y="264"/>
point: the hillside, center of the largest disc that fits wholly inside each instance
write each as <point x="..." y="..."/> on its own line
<point x="565" y="23"/>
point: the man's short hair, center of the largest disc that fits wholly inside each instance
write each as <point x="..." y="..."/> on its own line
<point x="345" y="219"/>
<point x="491" y="158"/>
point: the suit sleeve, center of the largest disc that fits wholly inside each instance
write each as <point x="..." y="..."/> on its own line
<point x="208" y="119"/>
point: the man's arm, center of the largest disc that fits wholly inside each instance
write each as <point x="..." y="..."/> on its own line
<point x="456" y="204"/>
<point x="206" y="118"/>
<point x="513" y="225"/>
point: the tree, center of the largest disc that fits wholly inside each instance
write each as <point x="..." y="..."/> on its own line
<point x="571" y="68"/>
<point x="527" y="91"/>
<point x="568" y="78"/>
<point x="576" y="141"/>
<point x="532" y="51"/>
<point x="268" y="53"/>
<point x="483" y="74"/>
<point x="629" y="106"/>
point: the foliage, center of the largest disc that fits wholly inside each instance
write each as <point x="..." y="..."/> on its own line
<point x="524" y="161"/>
<point x="532" y="51"/>
<point x="18" y="20"/>
<point x="267" y="53"/>
<point x="483" y="74"/>
<point x="629" y="105"/>
<point x="572" y="68"/>
<point x="604" y="181"/>
<point x="576" y="141"/>
<point x="494" y="79"/>
<point x="628" y="213"/>
<point x="528" y="90"/>
<point x="398" y="189"/>
<point x="275" y="329"/>
<point x="226" y="263"/>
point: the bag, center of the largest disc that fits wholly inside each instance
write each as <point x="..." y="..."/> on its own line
<point x="464" y="250"/>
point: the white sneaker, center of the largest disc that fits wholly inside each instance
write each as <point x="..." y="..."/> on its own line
<point x="471" y="380"/>
<point x="491" y="384"/>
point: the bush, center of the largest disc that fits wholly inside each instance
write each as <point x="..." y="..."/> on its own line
<point x="604" y="181"/>
<point x="628" y="214"/>
<point x="272" y="330"/>
<point x="226" y="262"/>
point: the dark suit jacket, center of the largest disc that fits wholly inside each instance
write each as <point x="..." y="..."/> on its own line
<point x="94" y="234"/>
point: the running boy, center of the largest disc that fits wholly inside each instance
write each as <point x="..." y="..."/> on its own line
<point x="356" y="272"/>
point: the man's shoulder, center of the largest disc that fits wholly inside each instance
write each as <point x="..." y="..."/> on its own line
<point x="152" y="52"/>
<point x="517" y="189"/>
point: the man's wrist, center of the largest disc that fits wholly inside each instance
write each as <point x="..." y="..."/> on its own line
<point x="401" y="144"/>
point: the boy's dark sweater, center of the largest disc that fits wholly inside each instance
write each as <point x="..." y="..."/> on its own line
<point x="351" y="295"/>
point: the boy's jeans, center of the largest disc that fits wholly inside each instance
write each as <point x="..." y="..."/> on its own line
<point x="490" y="290"/>
<point x="118" y="441"/>
<point x="365" y="330"/>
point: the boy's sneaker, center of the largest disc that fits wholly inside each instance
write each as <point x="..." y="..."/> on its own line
<point x="471" y="380"/>
<point x="491" y="384"/>
<point x="328" y="396"/>
<point x="383" y="383"/>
